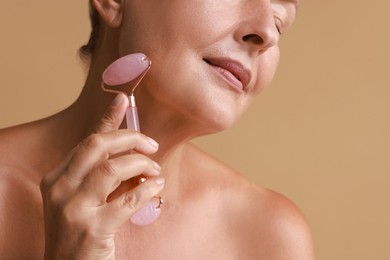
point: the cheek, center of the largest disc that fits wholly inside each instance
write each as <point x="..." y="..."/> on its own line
<point x="188" y="93"/>
<point x="267" y="65"/>
<point x="169" y="78"/>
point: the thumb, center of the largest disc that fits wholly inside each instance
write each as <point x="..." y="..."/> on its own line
<point x="114" y="115"/>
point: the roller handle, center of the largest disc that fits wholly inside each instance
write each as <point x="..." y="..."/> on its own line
<point x="132" y="119"/>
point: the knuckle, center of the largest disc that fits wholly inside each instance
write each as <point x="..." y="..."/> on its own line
<point x="104" y="244"/>
<point x="130" y="201"/>
<point x="108" y="168"/>
<point x="57" y="194"/>
<point x="89" y="228"/>
<point x="54" y="196"/>
<point x="93" y="141"/>
<point x="107" y="243"/>
<point x="73" y="217"/>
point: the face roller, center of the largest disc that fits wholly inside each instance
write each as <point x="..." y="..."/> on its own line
<point x="120" y="72"/>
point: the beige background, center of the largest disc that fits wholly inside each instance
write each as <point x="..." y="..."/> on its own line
<point x="319" y="134"/>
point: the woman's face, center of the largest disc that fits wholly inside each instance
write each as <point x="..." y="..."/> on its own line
<point x="210" y="58"/>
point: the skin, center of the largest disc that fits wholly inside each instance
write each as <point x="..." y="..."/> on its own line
<point x="82" y="176"/>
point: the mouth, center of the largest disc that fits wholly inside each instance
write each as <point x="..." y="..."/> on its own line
<point x="235" y="74"/>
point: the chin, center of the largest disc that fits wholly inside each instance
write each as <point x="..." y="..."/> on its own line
<point x="211" y="121"/>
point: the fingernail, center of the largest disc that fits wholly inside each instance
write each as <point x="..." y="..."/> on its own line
<point x="152" y="142"/>
<point x="160" y="180"/>
<point x="143" y="60"/>
<point x="157" y="167"/>
<point x="117" y="100"/>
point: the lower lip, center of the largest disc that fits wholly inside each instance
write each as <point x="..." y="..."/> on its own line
<point x="228" y="77"/>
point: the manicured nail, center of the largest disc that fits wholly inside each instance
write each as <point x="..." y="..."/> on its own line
<point x="160" y="180"/>
<point x="117" y="100"/>
<point x="152" y="142"/>
<point x="143" y="60"/>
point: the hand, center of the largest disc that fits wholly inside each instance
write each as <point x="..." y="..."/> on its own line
<point x="79" y="221"/>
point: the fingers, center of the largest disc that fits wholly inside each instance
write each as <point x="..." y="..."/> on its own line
<point x="75" y="193"/>
<point x="114" y="115"/>
<point x="120" y="210"/>
<point x="110" y="121"/>
<point x="111" y="173"/>
<point x="100" y="147"/>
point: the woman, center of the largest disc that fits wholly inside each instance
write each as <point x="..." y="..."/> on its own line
<point x="210" y="59"/>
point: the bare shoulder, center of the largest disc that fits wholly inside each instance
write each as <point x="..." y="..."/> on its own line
<point x="24" y="148"/>
<point x="11" y="149"/>
<point x="20" y="215"/>
<point x="13" y="142"/>
<point x="263" y="224"/>
<point x="274" y="225"/>
<point x="288" y="233"/>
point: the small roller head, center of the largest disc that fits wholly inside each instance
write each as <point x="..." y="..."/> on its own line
<point x="125" y="69"/>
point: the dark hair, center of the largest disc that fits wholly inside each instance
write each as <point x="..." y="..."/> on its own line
<point x="87" y="49"/>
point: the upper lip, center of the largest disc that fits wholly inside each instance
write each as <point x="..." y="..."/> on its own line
<point x="234" y="67"/>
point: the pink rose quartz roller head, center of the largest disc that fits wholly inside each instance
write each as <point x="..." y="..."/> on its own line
<point x="120" y="72"/>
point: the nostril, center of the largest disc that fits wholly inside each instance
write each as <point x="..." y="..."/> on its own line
<point x="254" y="38"/>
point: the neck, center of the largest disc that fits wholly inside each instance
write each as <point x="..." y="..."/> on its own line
<point x="158" y="120"/>
<point x="161" y="122"/>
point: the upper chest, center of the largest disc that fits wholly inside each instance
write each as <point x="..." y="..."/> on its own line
<point x="194" y="232"/>
<point x="177" y="242"/>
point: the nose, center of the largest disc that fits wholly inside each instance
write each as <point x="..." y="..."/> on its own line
<point x="257" y="30"/>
